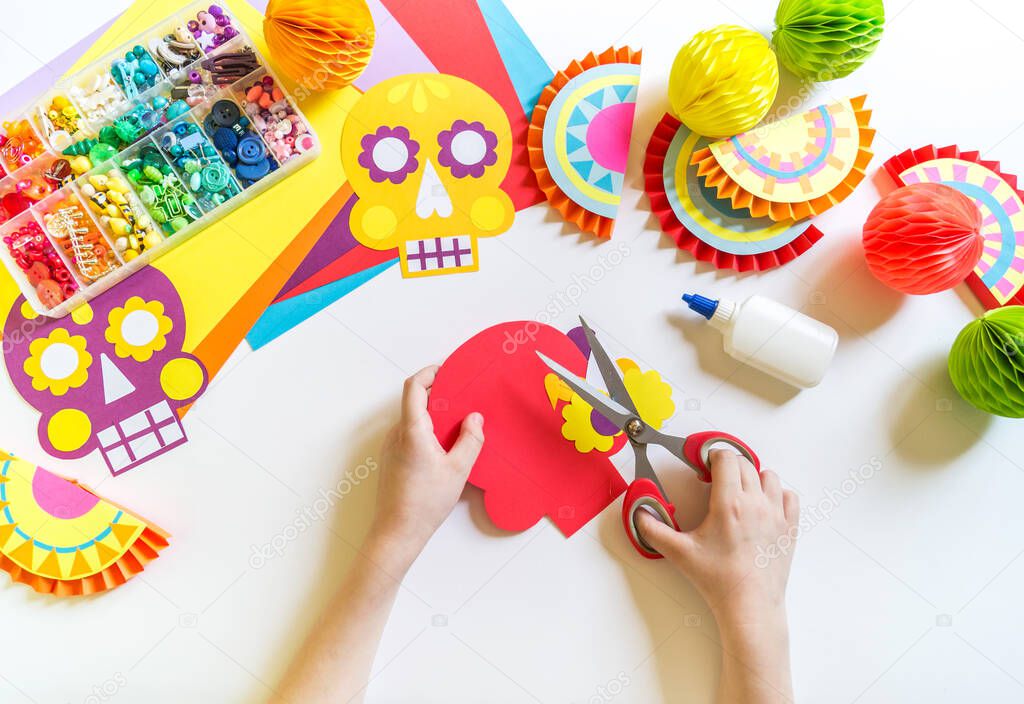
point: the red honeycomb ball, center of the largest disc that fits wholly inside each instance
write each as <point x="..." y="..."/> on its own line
<point x="923" y="238"/>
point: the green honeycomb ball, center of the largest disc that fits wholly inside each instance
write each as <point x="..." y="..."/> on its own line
<point x="820" y="40"/>
<point x="987" y="362"/>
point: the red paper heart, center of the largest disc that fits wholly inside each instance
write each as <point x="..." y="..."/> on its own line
<point x="526" y="469"/>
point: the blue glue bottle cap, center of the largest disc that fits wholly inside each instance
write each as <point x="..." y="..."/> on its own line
<point x="700" y="304"/>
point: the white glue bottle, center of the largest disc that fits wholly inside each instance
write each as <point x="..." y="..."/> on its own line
<point x="771" y="337"/>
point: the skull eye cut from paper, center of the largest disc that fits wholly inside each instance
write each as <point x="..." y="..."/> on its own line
<point x="467" y="149"/>
<point x="428" y="177"/>
<point x="389" y="154"/>
<point x="112" y="376"/>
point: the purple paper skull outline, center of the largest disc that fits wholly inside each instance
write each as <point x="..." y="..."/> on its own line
<point x="112" y="376"/>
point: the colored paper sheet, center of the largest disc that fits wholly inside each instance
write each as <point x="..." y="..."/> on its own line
<point x="352" y="262"/>
<point x="998" y="279"/>
<point x="394" y="51"/>
<point x="455" y="36"/>
<point x="336" y="241"/>
<point x="59" y="538"/>
<point x="217" y="286"/>
<point x="526" y="68"/>
<point x="281" y="317"/>
<point x="794" y="168"/>
<point x="527" y="469"/>
<point x="702" y="224"/>
<point x="580" y="134"/>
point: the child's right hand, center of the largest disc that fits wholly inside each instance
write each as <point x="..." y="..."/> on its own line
<point x="728" y="557"/>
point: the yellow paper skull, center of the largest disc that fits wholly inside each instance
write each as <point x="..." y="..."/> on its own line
<point x="426" y="154"/>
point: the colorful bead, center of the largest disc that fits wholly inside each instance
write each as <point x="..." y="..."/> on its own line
<point x="276" y="120"/>
<point x="43" y="268"/>
<point x="211" y="28"/>
<point x="21" y="144"/>
<point x="75" y="232"/>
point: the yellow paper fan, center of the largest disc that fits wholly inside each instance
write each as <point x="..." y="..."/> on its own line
<point x="320" y="45"/>
<point x="62" y="539"/>
<point x="794" y="168"/>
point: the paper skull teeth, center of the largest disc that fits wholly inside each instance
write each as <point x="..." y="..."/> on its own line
<point x="426" y="155"/>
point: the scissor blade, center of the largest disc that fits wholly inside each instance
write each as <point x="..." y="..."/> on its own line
<point x="609" y="371"/>
<point x="611" y="410"/>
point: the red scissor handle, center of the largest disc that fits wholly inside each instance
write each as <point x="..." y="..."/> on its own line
<point x="643" y="494"/>
<point x="698" y="445"/>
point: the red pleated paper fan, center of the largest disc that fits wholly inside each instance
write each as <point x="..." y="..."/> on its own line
<point x="699" y="222"/>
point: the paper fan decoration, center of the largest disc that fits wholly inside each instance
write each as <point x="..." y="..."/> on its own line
<point x="923" y="238"/>
<point x="794" y="168"/>
<point x="723" y="81"/>
<point x="998" y="278"/>
<point x="61" y="539"/>
<point x="820" y="40"/>
<point x="986" y="363"/>
<point x="711" y="229"/>
<point x="321" y="45"/>
<point x="579" y="136"/>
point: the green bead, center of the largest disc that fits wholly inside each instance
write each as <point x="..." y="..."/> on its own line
<point x="126" y="131"/>
<point x="101" y="152"/>
<point x="152" y="173"/>
<point x="80" y="148"/>
<point x="134" y="175"/>
<point x="191" y="166"/>
<point x="108" y="135"/>
<point x="820" y="40"/>
<point x="178" y="224"/>
<point x="986" y="363"/>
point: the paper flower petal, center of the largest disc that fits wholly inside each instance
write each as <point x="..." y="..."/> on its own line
<point x="579" y="135"/>
<point x="699" y="222"/>
<point x="764" y="172"/>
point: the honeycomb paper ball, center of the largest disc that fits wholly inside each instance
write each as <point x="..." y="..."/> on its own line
<point x="986" y="363"/>
<point x="723" y="81"/>
<point x="320" y="44"/>
<point x="820" y="40"/>
<point x="923" y="238"/>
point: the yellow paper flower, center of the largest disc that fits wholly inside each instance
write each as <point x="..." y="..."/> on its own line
<point x="588" y="430"/>
<point x="139" y="329"/>
<point x="58" y="362"/>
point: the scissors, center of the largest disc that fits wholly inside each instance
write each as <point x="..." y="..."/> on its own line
<point x="646" y="491"/>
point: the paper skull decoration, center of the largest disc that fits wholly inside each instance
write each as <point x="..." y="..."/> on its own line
<point x="527" y="468"/>
<point x="426" y="155"/>
<point x="112" y="375"/>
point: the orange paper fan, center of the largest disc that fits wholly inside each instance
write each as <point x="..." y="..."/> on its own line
<point x="59" y="538"/>
<point x="320" y="45"/>
<point x="764" y="172"/>
<point x="579" y="135"/>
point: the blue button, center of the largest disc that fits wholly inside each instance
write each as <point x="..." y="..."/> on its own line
<point x="250" y="150"/>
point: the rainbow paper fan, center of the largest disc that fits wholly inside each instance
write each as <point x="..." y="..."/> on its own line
<point x="710" y="229"/>
<point x="794" y="168"/>
<point x="62" y="539"/>
<point x="579" y="136"/>
<point x="321" y="45"/>
<point x="998" y="278"/>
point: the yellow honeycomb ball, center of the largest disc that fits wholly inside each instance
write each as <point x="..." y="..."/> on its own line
<point x="723" y="81"/>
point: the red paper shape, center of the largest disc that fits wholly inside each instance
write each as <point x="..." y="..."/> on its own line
<point x="527" y="470"/>
<point x="998" y="279"/>
<point x="923" y="238"/>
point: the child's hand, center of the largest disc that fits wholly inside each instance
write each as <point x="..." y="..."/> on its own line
<point x="420" y="483"/>
<point x="726" y="556"/>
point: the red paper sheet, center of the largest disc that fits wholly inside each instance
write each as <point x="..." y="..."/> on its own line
<point x="454" y="34"/>
<point x="526" y="469"/>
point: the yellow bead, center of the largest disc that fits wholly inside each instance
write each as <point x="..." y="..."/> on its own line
<point x="117" y="185"/>
<point x="153" y="239"/>
<point x="129" y="254"/>
<point x="119" y="226"/>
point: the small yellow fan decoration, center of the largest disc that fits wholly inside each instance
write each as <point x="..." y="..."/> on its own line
<point x="320" y="44"/>
<point x="723" y="81"/>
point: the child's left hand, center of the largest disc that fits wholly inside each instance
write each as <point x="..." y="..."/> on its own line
<point x="420" y="483"/>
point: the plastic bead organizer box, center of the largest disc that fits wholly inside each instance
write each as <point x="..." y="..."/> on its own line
<point x="121" y="162"/>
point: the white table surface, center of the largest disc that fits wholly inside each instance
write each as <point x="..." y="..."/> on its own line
<point x="907" y="588"/>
